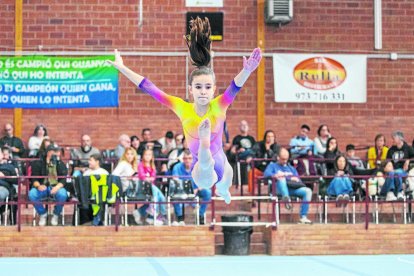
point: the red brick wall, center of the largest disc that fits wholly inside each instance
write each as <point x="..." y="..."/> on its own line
<point x="318" y="26"/>
<point x="333" y="239"/>
<point x="105" y="242"/>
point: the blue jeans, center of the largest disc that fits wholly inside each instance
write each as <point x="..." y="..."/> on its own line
<point x="393" y="182"/>
<point x="340" y="186"/>
<point x="158" y="197"/>
<point x="3" y="194"/>
<point x="36" y="195"/>
<point x="304" y="193"/>
<point x="204" y="195"/>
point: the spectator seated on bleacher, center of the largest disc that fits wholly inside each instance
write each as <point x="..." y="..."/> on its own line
<point x="147" y="172"/>
<point x="320" y="141"/>
<point x="167" y="143"/>
<point x="123" y="142"/>
<point x="135" y="142"/>
<point x="354" y="161"/>
<point x="341" y="184"/>
<point x="182" y="172"/>
<point x="148" y="143"/>
<point x="52" y="186"/>
<point x="13" y="143"/>
<point x="289" y="184"/>
<point x="128" y="167"/>
<point x="377" y="153"/>
<point x="8" y="186"/>
<point x="301" y="148"/>
<point x="265" y="149"/>
<point x="393" y="186"/>
<point x="80" y="156"/>
<point x="330" y="155"/>
<point x="36" y="139"/>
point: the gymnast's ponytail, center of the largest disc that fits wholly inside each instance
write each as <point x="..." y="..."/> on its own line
<point x="199" y="45"/>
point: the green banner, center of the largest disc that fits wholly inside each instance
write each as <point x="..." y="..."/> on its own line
<point x="57" y="82"/>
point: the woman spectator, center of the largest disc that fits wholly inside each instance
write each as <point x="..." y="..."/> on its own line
<point x="135" y="142"/>
<point x="341" y="184"/>
<point x="377" y="153"/>
<point x="126" y="168"/>
<point x="36" y="140"/>
<point x="330" y="155"/>
<point x="320" y="142"/>
<point x="265" y="149"/>
<point x="147" y="172"/>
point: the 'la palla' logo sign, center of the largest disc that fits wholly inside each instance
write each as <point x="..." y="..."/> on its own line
<point x="319" y="73"/>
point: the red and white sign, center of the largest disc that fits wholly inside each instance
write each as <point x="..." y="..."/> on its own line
<point x="320" y="78"/>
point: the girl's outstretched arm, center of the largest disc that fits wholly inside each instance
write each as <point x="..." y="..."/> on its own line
<point x="249" y="65"/>
<point x="144" y="84"/>
<point x="119" y="64"/>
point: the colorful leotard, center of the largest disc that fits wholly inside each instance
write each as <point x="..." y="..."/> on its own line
<point x="190" y="120"/>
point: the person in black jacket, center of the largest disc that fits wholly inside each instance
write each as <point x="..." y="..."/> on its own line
<point x="7" y="185"/>
<point x="51" y="186"/>
<point x="400" y="152"/>
<point x="330" y="155"/>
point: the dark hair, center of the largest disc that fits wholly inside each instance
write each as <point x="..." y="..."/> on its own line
<point x="169" y="134"/>
<point x="39" y="126"/>
<point x="350" y="147"/>
<point x="329" y="140"/>
<point x="336" y="162"/>
<point x="199" y="45"/>
<point x="144" y="130"/>
<point x="96" y="156"/>
<point x="305" y="126"/>
<point x="187" y="152"/>
<point x="134" y="137"/>
<point x="320" y="129"/>
<point x="267" y="132"/>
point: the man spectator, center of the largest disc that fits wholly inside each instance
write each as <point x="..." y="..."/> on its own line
<point x="52" y="167"/>
<point x="80" y="156"/>
<point x="182" y="171"/>
<point x="148" y="143"/>
<point x="302" y="147"/>
<point x="243" y="142"/>
<point x="400" y="152"/>
<point x="94" y="164"/>
<point x="12" y="142"/>
<point x="242" y="149"/>
<point x="167" y="143"/>
<point x="124" y="142"/>
<point x="289" y="184"/>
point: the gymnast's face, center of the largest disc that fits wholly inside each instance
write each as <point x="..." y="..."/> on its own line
<point x="202" y="89"/>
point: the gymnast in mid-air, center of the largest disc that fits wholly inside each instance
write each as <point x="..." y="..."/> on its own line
<point x="203" y="119"/>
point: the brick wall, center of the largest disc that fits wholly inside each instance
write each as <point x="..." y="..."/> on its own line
<point x="333" y="239"/>
<point x="105" y="242"/>
<point x="318" y="26"/>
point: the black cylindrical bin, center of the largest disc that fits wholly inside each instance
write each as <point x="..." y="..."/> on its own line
<point x="237" y="238"/>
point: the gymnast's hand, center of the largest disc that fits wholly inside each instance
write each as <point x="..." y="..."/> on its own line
<point x="253" y="61"/>
<point x="118" y="63"/>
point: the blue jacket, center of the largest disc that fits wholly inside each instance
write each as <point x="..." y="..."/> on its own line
<point x="297" y="142"/>
<point x="273" y="168"/>
<point x="179" y="170"/>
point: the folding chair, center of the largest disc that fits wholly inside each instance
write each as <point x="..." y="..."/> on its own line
<point x="138" y="191"/>
<point x="182" y="191"/>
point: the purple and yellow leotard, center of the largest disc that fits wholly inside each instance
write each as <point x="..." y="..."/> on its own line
<point x="190" y="120"/>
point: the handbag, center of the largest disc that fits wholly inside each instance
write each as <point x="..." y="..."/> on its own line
<point x="295" y="185"/>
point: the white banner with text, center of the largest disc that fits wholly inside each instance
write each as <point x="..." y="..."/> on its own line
<point x="320" y="78"/>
